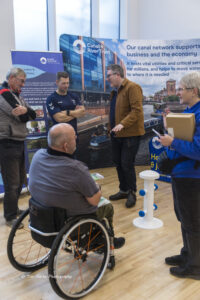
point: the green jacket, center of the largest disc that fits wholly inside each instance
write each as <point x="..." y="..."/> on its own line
<point x="129" y="109"/>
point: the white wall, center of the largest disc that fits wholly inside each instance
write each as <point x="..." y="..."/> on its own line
<point x="168" y="19"/>
<point x="7" y="36"/>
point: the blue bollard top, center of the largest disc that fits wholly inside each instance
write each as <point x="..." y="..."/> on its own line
<point x="142" y="193"/>
<point x="141" y="213"/>
<point x="155" y="206"/>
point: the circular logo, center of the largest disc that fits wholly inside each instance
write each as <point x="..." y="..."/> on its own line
<point x="79" y="46"/>
<point x="43" y="60"/>
<point x="156" y="144"/>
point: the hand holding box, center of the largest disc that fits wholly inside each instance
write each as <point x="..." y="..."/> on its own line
<point x="181" y="125"/>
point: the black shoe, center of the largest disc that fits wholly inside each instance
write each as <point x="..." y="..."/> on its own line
<point x="176" y="260"/>
<point x="20" y="212"/>
<point x="185" y="272"/>
<point x="131" y="200"/>
<point x="118" y="196"/>
<point x="119" y="242"/>
<point x="12" y="222"/>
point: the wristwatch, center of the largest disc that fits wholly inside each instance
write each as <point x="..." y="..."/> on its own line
<point x="68" y="112"/>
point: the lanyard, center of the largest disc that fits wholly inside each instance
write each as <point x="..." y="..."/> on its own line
<point x="19" y="101"/>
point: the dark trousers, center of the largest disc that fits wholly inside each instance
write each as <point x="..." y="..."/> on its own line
<point x="13" y="175"/>
<point x="124" y="151"/>
<point x="186" y="193"/>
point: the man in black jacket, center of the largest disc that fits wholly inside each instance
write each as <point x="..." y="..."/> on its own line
<point x="14" y="113"/>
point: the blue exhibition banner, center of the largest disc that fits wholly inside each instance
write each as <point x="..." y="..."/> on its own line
<point x="41" y="69"/>
<point x="156" y="65"/>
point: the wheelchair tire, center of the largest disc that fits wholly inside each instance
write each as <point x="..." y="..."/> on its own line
<point x="24" y="253"/>
<point x="79" y="258"/>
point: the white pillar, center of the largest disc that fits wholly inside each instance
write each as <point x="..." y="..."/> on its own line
<point x="129" y="19"/>
<point x="148" y="221"/>
<point x="123" y="31"/>
<point x="95" y="18"/>
<point x="7" y="35"/>
<point x="53" y="44"/>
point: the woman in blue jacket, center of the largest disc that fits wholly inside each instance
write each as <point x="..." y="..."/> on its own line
<point x="186" y="183"/>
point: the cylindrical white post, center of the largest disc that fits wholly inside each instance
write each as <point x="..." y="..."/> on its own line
<point x="148" y="221"/>
<point x="149" y="199"/>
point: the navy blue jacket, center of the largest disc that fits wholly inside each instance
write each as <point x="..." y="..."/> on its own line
<point x="57" y="103"/>
<point x="187" y="149"/>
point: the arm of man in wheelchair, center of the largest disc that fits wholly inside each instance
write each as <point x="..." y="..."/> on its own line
<point x="94" y="200"/>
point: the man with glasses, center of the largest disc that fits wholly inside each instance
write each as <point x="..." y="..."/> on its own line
<point x="127" y="126"/>
<point x="14" y="113"/>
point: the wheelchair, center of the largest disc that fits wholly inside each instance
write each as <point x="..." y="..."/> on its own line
<point x="78" y="250"/>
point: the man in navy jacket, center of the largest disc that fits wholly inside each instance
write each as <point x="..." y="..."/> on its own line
<point x="62" y="105"/>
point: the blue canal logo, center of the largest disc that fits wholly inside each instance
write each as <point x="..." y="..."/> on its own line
<point x="79" y="46"/>
<point x="43" y="60"/>
<point x="156" y="144"/>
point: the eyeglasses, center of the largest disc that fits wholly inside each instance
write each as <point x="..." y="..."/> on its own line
<point x="182" y="89"/>
<point x="21" y="80"/>
<point x="109" y="75"/>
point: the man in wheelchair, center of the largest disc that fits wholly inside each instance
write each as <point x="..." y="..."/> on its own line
<point x="57" y="179"/>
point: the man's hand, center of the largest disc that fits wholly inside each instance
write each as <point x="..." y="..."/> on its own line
<point x="166" y="140"/>
<point x="19" y="110"/>
<point x="164" y="114"/>
<point x="79" y="106"/>
<point x="117" y="128"/>
<point x="78" y="112"/>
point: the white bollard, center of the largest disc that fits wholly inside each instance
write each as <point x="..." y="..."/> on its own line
<point x="146" y="219"/>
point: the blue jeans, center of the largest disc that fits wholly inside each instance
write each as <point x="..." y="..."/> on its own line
<point x="13" y="175"/>
<point x="186" y="194"/>
<point x="124" y="151"/>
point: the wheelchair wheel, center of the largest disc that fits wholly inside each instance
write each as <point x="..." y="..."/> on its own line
<point x="24" y="253"/>
<point x="79" y="257"/>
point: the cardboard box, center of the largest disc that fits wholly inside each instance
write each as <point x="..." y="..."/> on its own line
<point x="181" y="125"/>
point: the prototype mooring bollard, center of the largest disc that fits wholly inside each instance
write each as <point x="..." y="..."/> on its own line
<point x="146" y="219"/>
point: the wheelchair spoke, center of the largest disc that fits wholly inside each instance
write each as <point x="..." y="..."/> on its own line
<point x="24" y="253"/>
<point x="66" y="263"/>
<point x="90" y="236"/>
<point x="76" y="279"/>
<point x="79" y="258"/>
<point x="78" y="235"/>
<point x="39" y="253"/>
<point x="89" y="242"/>
<point x="27" y="230"/>
<point x="28" y="253"/>
<point x="25" y="250"/>
<point x="92" y="273"/>
<point x="96" y="258"/>
<point x="95" y="249"/>
<point x="74" y="284"/>
<point x="75" y="248"/>
<point x="22" y="241"/>
<point x="81" y="274"/>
